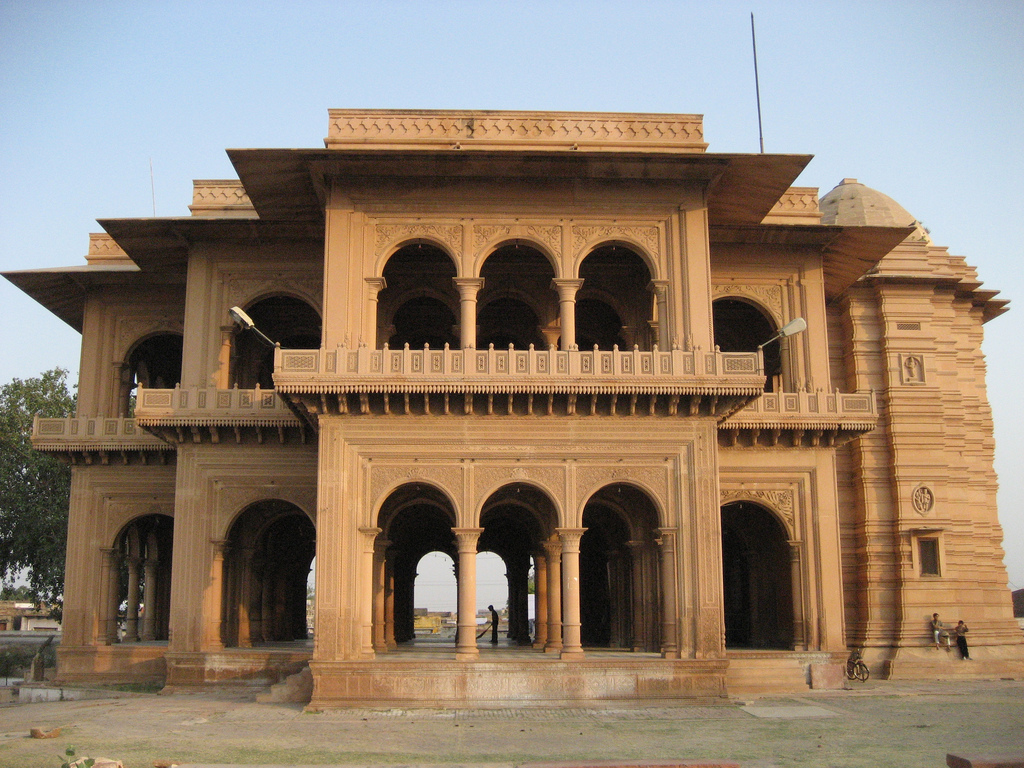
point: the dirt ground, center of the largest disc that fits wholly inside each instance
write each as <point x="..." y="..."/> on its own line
<point x="881" y="723"/>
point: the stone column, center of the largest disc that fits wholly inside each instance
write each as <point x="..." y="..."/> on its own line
<point x="660" y="290"/>
<point x="111" y="563"/>
<point x="131" y="628"/>
<point x="245" y="597"/>
<point x="567" y="289"/>
<point x="572" y="647"/>
<point x="468" y="287"/>
<point x="149" y="598"/>
<point x="367" y="592"/>
<point x="213" y="638"/>
<point x="669" y="613"/>
<point x="638" y="605"/>
<point x="380" y="549"/>
<point x="553" y="547"/>
<point x="375" y="285"/>
<point x="799" y="634"/>
<point x="465" y="642"/>
<point x="389" y="603"/>
<point x="540" y="603"/>
<point x="227" y="335"/>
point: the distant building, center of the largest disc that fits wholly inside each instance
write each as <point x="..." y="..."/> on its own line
<point x="573" y="340"/>
<point x="21" y="616"/>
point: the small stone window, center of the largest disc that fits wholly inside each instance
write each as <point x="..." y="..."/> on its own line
<point x="928" y="556"/>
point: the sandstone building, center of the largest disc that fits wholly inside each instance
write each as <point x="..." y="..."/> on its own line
<point x="550" y="336"/>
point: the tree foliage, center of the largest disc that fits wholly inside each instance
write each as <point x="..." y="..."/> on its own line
<point x="34" y="487"/>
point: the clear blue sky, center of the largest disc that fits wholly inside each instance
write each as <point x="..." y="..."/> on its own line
<point x="921" y="100"/>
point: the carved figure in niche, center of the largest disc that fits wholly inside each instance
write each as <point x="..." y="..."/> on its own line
<point x="923" y="499"/>
<point x="913" y="370"/>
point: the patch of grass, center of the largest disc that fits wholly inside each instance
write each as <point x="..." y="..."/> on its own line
<point x="134" y="687"/>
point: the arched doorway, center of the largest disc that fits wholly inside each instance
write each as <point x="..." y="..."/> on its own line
<point x="620" y="604"/>
<point x="287" y="321"/>
<point x="419" y="304"/>
<point x="756" y="577"/>
<point x="614" y="305"/>
<point x="144" y="551"/>
<point x="516" y="519"/>
<point x="154" y="363"/>
<point x="415" y="520"/>
<point x="268" y="557"/>
<point x="740" y="327"/>
<point x="517" y="305"/>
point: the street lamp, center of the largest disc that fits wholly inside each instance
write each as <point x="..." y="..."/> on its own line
<point x="793" y="327"/>
<point x="246" y="323"/>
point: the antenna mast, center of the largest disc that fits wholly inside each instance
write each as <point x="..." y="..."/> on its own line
<point x="757" y="85"/>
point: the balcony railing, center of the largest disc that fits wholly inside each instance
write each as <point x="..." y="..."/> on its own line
<point x="807" y="418"/>
<point x="201" y="406"/>
<point x="361" y="369"/>
<point x="94" y="436"/>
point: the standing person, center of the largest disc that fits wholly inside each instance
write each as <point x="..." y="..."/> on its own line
<point x="494" y="625"/>
<point x="938" y="630"/>
<point x="961" y="640"/>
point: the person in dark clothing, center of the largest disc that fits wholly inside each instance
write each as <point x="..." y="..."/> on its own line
<point x="961" y="640"/>
<point x="494" y="625"/>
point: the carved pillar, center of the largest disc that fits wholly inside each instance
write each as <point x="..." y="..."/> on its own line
<point x="212" y="637"/>
<point x="799" y="633"/>
<point x="227" y="334"/>
<point x="567" y="289"/>
<point x="660" y="290"/>
<point x="465" y="642"/>
<point x="389" y="602"/>
<point x="123" y="374"/>
<point x="111" y="567"/>
<point x="150" y="567"/>
<point x="638" y="600"/>
<point x="131" y="624"/>
<point x="367" y="594"/>
<point x="553" y="547"/>
<point x="380" y="577"/>
<point x="540" y="603"/>
<point x="468" y="288"/>
<point x="374" y="285"/>
<point x="572" y="647"/>
<point x="245" y="598"/>
<point x="669" y="620"/>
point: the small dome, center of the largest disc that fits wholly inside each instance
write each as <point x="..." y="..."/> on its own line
<point x="855" y="205"/>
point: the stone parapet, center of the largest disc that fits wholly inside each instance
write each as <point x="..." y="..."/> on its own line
<point x="95" y="438"/>
<point x="220" y="198"/>
<point x="468" y="129"/>
<point x="807" y="418"/>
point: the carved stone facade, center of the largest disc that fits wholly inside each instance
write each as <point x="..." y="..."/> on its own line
<point x="549" y="336"/>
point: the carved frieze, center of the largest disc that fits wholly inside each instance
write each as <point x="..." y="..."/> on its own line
<point x="388" y="236"/>
<point x="488" y="234"/>
<point x="131" y="329"/>
<point x="385" y="477"/>
<point x="241" y="291"/>
<point x="652" y="478"/>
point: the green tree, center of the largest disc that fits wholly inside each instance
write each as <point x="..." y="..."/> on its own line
<point x="34" y="487"/>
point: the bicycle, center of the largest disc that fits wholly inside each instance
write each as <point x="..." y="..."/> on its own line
<point x="856" y="669"/>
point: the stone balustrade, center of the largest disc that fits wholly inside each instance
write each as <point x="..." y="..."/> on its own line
<point x="95" y="438"/>
<point x="807" y="418"/>
<point x="502" y="371"/>
<point x="201" y="406"/>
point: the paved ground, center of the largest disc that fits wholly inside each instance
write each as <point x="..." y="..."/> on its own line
<point x="878" y="724"/>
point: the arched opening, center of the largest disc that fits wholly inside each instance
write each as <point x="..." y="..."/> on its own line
<point x="757" y="578"/>
<point x="288" y="321"/>
<point x="415" y="520"/>
<point x="517" y="304"/>
<point x="154" y="363"/>
<point x="267" y="563"/>
<point x="421" y="321"/>
<point x="419" y="304"/>
<point x="620" y="604"/>
<point x="740" y="327"/>
<point x="614" y="305"/>
<point x="509" y="322"/>
<point x="516" y="520"/>
<point x="144" y="551"/>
